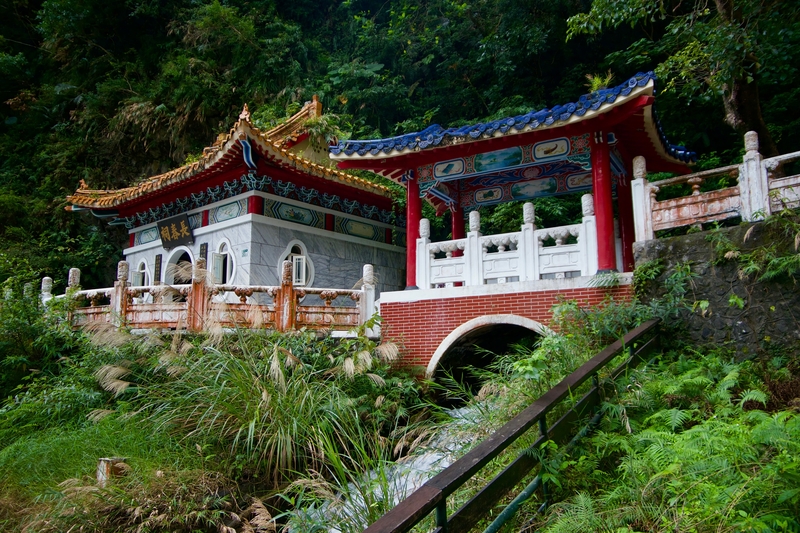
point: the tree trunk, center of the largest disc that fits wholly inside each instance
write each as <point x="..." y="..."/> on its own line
<point x="740" y="98"/>
<point x="743" y="113"/>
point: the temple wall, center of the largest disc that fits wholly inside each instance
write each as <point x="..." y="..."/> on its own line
<point x="337" y="259"/>
<point x="259" y="243"/>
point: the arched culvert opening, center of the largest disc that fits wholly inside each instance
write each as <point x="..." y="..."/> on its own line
<point x="474" y="344"/>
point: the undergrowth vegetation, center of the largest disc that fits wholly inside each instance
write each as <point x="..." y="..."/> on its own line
<point x="253" y="431"/>
<point x="205" y="429"/>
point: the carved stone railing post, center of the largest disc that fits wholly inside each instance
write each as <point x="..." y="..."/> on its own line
<point x="753" y="181"/>
<point x="367" y="302"/>
<point x="285" y="301"/>
<point x="74" y="279"/>
<point x="119" y="298"/>
<point x="527" y="246"/>
<point x="47" y="289"/>
<point x="198" y="298"/>
<point x="473" y="250"/>
<point x="423" y="257"/>
<point x="642" y="201"/>
<point x="588" y="237"/>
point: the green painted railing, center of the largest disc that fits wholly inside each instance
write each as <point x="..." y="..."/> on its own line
<point x="432" y="496"/>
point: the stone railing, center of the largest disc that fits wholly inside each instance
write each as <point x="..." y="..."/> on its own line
<point x="202" y="305"/>
<point x="758" y="193"/>
<point x="527" y="255"/>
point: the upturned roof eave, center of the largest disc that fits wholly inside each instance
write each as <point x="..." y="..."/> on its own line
<point x="363" y="154"/>
<point x="243" y="129"/>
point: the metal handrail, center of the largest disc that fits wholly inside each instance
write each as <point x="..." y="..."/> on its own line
<point x="433" y="494"/>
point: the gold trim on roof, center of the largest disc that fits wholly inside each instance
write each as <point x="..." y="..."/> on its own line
<point x="271" y="142"/>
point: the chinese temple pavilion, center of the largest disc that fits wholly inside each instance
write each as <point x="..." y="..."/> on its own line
<point x="253" y="200"/>
<point x="588" y="145"/>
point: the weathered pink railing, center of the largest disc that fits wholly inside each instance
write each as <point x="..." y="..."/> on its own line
<point x="195" y="306"/>
<point x="757" y="194"/>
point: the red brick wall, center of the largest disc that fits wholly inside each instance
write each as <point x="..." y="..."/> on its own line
<point x="420" y="327"/>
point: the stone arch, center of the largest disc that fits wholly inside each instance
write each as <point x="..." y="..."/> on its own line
<point x="481" y="322"/>
<point x="177" y="255"/>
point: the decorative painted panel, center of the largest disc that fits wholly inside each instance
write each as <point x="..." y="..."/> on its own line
<point x="146" y="236"/>
<point x="227" y="212"/>
<point x="293" y="213"/>
<point x="196" y="220"/>
<point x="252" y="182"/>
<point x="357" y="228"/>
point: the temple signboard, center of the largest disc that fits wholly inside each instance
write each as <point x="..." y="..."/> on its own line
<point x="175" y="231"/>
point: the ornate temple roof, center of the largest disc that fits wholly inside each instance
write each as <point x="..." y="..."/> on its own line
<point x="225" y="154"/>
<point x="588" y="106"/>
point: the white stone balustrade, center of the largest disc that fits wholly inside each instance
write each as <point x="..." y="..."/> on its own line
<point x="758" y="193"/>
<point x="527" y="255"/>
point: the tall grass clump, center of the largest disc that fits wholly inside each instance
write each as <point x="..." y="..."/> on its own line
<point x="206" y="425"/>
<point x="262" y="404"/>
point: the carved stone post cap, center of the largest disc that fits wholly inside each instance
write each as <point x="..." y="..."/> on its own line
<point x="122" y="271"/>
<point x="587" y="205"/>
<point x="424" y="228"/>
<point x="286" y="272"/>
<point x="47" y="285"/>
<point x="528" y="213"/>
<point x="639" y="167"/>
<point x="751" y="141"/>
<point x="368" y="275"/>
<point x="474" y="221"/>
<point x="74" y="278"/>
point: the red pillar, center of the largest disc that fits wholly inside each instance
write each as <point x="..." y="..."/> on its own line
<point x="255" y="205"/>
<point x="413" y="215"/>
<point x="457" y="225"/>
<point x="603" y="207"/>
<point x="626" y="230"/>
<point x="457" y="222"/>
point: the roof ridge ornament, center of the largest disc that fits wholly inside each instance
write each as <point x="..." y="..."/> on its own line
<point x="245" y="114"/>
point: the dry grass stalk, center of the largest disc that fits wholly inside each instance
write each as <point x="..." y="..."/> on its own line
<point x="377" y="380"/>
<point x="276" y="372"/>
<point x="108" y="377"/>
<point x="349" y="367"/>
<point x="363" y="361"/>
<point x="107" y="334"/>
<point x="388" y="351"/>
<point x="96" y="415"/>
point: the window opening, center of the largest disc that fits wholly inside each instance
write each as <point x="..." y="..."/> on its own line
<point x="222" y="265"/>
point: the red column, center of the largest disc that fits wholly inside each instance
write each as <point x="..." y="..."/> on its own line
<point x="413" y="215"/>
<point x="626" y="230"/>
<point x="457" y="225"/>
<point x="603" y="207"/>
<point x="255" y="205"/>
<point x="457" y="222"/>
<point x="131" y="240"/>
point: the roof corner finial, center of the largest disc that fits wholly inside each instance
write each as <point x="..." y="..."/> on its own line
<point x="245" y="114"/>
<point x="83" y="185"/>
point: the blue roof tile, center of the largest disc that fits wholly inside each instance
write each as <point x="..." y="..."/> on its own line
<point x="435" y="134"/>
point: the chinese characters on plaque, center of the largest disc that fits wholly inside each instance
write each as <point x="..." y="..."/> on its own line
<point x="175" y="231"/>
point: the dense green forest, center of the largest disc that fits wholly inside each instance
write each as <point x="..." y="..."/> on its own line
<point x="110" y="92"/>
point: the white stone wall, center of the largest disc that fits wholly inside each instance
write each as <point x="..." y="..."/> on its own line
<point x="258" y="243"/>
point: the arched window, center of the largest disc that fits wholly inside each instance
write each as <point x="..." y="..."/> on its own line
<point x="139" y="277"/>
<point x="302" y="267"/>
<point x="179" y="267"/>
<point x="222" y="264"/>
